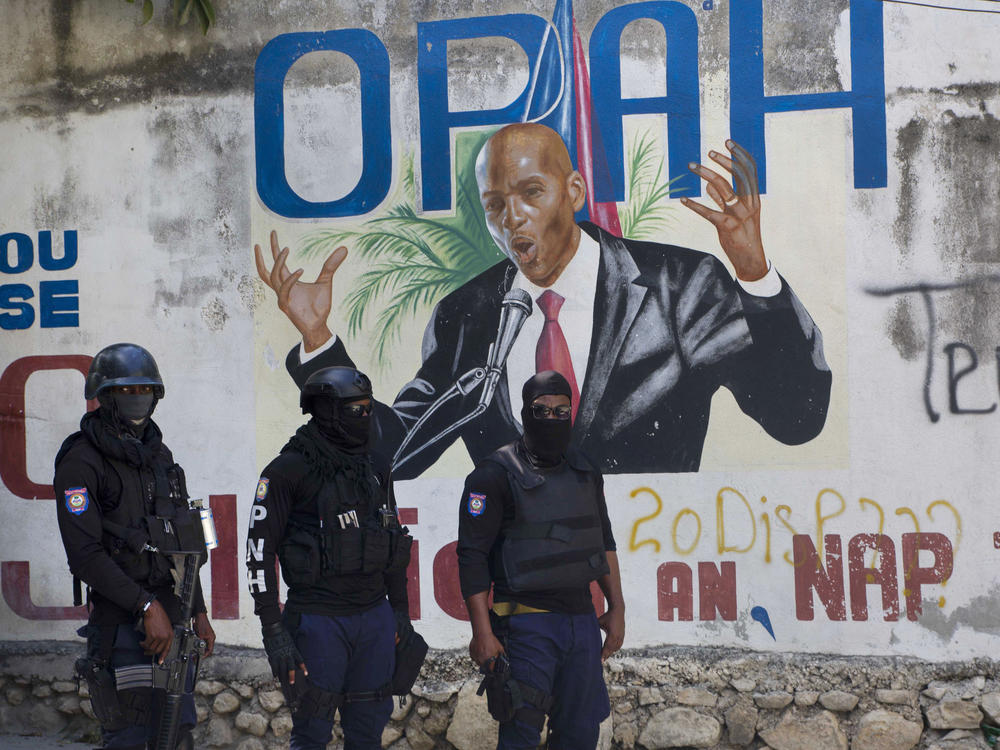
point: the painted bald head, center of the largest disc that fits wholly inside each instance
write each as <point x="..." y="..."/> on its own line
<point x="530" y="192"/>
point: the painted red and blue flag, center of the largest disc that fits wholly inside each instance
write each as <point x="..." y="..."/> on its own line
<point x="560" y="98"/>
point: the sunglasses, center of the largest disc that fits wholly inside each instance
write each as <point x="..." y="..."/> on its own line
<point x="357" y="410"/>
<point x="540" y="411"/>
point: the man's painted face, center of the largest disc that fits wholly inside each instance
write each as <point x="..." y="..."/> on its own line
<point x="529" y="205"/>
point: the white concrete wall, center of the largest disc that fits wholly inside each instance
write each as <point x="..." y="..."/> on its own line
<point x="141" y="139"/>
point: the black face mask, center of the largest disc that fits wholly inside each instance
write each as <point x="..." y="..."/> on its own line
<point x="350" y="434"/>
<point x="132" y="410"/>
<point x="546" y="439"/>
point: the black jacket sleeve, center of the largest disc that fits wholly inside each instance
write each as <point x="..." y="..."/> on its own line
<point x="78" y="488"/>
<point x="268" y="517"/>
<point x="481" y="510"/>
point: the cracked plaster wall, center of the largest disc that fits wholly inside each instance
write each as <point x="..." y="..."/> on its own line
<point x="141" y="139"/>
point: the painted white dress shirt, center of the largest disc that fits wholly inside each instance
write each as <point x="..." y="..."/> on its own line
<point x="578" y="285"/>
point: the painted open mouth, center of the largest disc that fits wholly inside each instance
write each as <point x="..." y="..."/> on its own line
<point x="524" y="249"/>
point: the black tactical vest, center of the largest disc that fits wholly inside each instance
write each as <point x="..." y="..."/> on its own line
<point x="149" y="512"/>
<point x="316" y="546"/>
<point x="555" y="539"/>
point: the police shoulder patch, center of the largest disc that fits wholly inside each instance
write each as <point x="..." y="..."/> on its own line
<point x="262" y="488"/>
<point x="77" y="500"/>
<point x="477" y="503"/>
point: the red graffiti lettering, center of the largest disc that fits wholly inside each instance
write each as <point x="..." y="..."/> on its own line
<point x="408" y="517"/>
<point x="716" y="591"/>
<point x="13" y="435"/>
<point x="915" y="576"/>
<point x="15" y="583"/>
<point x="447" y="592"/>
<point x="811" y="574"/>
<point x="674" y="592"/>
<point x="883" y="576"/>
<point x="224" y="560"/>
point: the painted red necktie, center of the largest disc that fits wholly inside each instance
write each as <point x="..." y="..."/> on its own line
<point x="552" y="351"/>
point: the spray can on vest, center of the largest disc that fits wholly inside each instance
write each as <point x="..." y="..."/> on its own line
<point x="207" y="522"/>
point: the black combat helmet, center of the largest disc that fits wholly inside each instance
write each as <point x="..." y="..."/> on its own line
<point x="122" y="364"/>
<point x="335" y="382"/>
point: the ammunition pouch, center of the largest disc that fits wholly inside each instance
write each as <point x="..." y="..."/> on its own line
<point x="103" y="695"/>
<point x="399" y="556"/>
<point x="181" y="533"/>
<point x="508" y="699"/>
<point x="299" y="556"/>
<point x="377" y="546"/>
<point x="411" y="652"/>
<point x="306" y="553"/>
<point x="129" y="545"/>
<point x="114" y="709"/>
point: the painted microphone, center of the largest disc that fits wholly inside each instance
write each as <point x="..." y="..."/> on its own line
<point x="514" y="310"/>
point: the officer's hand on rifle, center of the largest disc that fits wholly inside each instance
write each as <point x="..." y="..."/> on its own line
<point x="203" y="629"/>
<point x="159" y="631"/>
<point x="484" y="648"/>
<point x="281" y="653"/>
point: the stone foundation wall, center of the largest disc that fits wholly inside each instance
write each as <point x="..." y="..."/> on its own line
<point x="661" y="698"/>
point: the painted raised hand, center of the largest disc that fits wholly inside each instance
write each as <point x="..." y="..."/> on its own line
<point x="306" y="304"/>
<point x="737" y="219"/>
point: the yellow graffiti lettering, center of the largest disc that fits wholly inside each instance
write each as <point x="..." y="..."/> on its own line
<point x="958" y="529"/>
<point x="633" y="545"/>
<point x="904" y="511"/>
<point x="821" y="519"/>
<point x="788" y="525"/>
<point x="720" y="521"/>
<point x="881" y="526"/>
<point x="767" y="532"/>
<point x="673" y="532"/>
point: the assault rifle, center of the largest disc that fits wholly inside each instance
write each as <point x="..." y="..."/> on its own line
<point x="187" y="649"/>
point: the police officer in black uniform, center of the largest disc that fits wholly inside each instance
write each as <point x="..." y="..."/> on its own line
<point x="325" y="507"/>
<point x="534" y="523"/>
<point x="111" y="479"/>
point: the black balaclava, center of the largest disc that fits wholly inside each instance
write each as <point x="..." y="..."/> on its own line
<point x="349" y="434"/>
<point x="128" y="411"/>
<point x="545" y="439"/>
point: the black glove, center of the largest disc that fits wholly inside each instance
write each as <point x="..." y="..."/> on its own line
<point x="281" y="651"/>
<point x="404" y="628"/>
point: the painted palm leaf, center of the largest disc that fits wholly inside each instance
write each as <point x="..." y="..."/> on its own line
<point x="413" y="260"/>
<point x="645" y="214"/>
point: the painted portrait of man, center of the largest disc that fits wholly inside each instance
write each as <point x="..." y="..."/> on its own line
<point x="646" y="333"/>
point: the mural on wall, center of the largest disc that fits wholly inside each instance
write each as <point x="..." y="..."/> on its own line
<point x="410" y="181"/>
<point x="523" y="266"/>
<point x="669" y="324"/>
<point x="651" y="331"/>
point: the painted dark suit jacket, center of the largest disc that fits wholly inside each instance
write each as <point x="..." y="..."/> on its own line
<point x="671" y="326"/>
